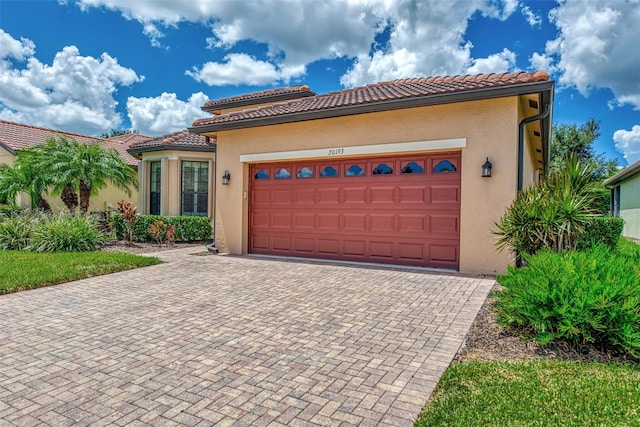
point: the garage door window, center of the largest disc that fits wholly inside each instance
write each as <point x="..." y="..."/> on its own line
<point x="283" y="174"/>
<point x="382" y="169"/>
<point x="305" y="172"/>
<point x="329" y="171"/>
<point x="262" y="174"/>
<point x="444" y="166"/>
<point x="413" y="167"/>
<point x="354" y="170"/>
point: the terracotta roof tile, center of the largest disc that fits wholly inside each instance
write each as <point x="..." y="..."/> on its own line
<point x="381" y="92"/>
<point x="302" y="90"/>
<point x="17" y="136"/>
<point x="178" y="140"/>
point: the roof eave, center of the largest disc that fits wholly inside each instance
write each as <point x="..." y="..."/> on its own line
<point x="623" y="175"/>
<point x="134" y="151"/>
<point x="374" y="107"/>
<point x="258" y="100"/>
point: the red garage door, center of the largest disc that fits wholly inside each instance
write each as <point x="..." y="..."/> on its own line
<point x="395" y="210"/>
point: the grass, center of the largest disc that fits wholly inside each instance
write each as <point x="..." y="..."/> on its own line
<point x="26" y="270"/>
<point x="535" y="393"/>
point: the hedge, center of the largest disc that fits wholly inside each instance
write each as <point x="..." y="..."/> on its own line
<point x="188" y="228"/>
<point x="604" y="230"/>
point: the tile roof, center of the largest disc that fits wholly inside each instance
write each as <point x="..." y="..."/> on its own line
<point x="17" y="136"/>
<point x="290" y="92"/>
<point x="626" y="173"/>
<point x="181" y="140"/>
<point x="396" y="90"/>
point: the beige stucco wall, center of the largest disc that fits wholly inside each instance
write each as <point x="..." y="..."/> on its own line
<point x="170" y="179"/>
<point x="489" y="126"/>
<point x="630" y="207"/>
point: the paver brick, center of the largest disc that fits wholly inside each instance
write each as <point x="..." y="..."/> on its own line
<point x="221" y="340"/>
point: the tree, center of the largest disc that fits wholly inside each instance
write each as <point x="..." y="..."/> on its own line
<point x="84" y="168"/>
<point x="24" y="176"/>
<point x="117" y="132"/>
<point x="568" y="140"/>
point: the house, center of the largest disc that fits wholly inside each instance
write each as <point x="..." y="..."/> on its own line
<point x="625" y="199"/>
<point x="16" y="136"/>
<point x="387" y="173"/>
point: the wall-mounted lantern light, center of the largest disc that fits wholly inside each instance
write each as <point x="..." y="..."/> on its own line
<point x="226" y="178"/>
<point x="486" y="169"/>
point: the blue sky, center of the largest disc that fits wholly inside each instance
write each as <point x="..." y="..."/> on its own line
<point x="91" y="65"/>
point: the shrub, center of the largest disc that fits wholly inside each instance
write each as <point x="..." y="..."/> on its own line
<point x="162" y="232"/>
<point x="67" y="233"/>
<point x="580" y="297"/>
<point x="552" y="214"/>
<point x="604" y="230"/>
<point x="188" y="228"/>
<point x="15" y="231"/>
<point x="129" y="218"/>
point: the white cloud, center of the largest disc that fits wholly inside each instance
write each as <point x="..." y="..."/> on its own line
<point x="597" y="47"/>
<point x="496" y="63"/>
<point x="426" y="37"/>
<point x="165" y="113"/>
<point x="628" y="143"/>
<point x="74" y="93"/>
<point x="238" y="68"/>
<point x="533" y="19"/>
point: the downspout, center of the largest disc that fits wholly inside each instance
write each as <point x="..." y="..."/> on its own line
<point x="523" y="123"/>
<point x="212" y="247"/>
<point x="521" y="126"/>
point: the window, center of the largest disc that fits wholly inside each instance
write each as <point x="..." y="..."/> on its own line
<point x="262" y="174"/>
<point x="382" y="169"/>
<point x="305" y="172"/>
<point x="412" y="167"/>
<point x="154" y="188"/>
<point x="283" y="173"/>
<point x="195" y="188"/>
<point x="329" y="171"/>
<point x="354" y="170"/>
<point x="444" y="166"/>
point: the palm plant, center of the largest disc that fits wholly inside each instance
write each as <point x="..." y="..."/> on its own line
<point x="84" y="168"/>
<point x="551" y="214"/>
<point x="24" y="176"/>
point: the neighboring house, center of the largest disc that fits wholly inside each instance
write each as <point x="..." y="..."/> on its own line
<point x="16" y="136"/>
<point x="176" y="174"/>
<point x="387" y="173"/>
<point x="625" y="199"/>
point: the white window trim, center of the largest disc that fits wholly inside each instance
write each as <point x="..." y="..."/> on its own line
<point x="359" y="150"/>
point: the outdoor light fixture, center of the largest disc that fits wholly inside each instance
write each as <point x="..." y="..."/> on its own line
<point x="227" y="177"/>
<point x="486" y="169"/>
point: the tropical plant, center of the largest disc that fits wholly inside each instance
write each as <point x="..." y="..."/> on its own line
<point x="551" y="214"/>
<point x="67" y="233"/>
<point x="128" y="213"/>
<point x="16" y="229"/>
<point x="162" y="232"/>
<point x="24" y="176"/>
<point x="82" y="167"/>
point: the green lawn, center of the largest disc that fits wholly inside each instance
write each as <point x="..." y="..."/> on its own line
<point x="535" y="393"/>
<point x="21" y="270"/>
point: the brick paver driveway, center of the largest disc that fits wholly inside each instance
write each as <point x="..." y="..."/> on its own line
<point x="204" y="340"/>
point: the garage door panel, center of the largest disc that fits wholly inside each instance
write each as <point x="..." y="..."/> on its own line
<point x="381" y="223"/>
<point x="407" y="212"/>
<point x="354" y="222"/>
<point x="328" y="221"/>
<point x="304" y="221"/>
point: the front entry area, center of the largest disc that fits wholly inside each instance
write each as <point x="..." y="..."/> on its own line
<point x="392" y="209"/>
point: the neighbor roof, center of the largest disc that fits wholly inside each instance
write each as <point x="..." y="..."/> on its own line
<point x="270" y="95"/>
<point x="624" y="174"/>
<point x="17" y="136"/>
<point x="383" y="96"/>
<point x="181" y="141"/>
